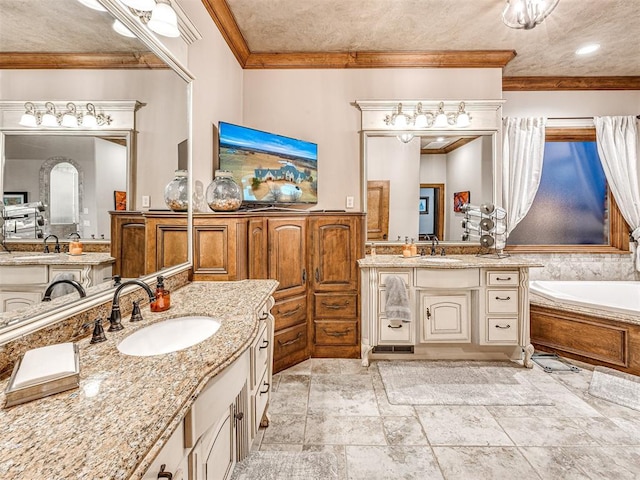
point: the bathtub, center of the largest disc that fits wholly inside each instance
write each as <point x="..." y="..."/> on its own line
<point x="615" y="296"/>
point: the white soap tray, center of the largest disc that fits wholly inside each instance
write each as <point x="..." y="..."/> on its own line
<point x="36" y="389"/>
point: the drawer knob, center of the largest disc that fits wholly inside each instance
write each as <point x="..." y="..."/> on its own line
<point x="503" y="327"/>
<point x="288" y="313"/>
<point x="335" y="306"/>
<point x="265" y="344"/>
<point x="336" y="334"/>
<point x="264" y="316"/>
<point x="503" y="279"/>
<point x="268" y="385"/>
<point x="503" y="298"/>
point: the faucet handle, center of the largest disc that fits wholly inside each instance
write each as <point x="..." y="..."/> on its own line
<point x="46" y="249"/>
<point x="136" y="315"/>
<point x="98" y="332"/>
<point x="442" y="252"/>
<point x="116" y="280"/>
<point x="56" y="249"/>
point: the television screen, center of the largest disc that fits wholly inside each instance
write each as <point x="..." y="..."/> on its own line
<point x="270" y="168"/>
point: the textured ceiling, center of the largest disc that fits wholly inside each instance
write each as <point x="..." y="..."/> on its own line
<point x="286" y="26"/>
<point x="60" y="26"/>
<point x="423" y="25"/>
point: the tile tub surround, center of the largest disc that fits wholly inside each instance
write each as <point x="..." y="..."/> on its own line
<point x="579" y="266"/>
<point x="73" y="328"/>
<point x="580" y="436"/>
<point x="127" y="407"/>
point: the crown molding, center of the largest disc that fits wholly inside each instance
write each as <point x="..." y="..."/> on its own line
<point x="514" y="84"/>
<point x="125" y="60"/>
<point x="220" y="13"/>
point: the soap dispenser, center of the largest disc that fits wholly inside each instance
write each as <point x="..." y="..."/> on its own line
<point x="406" y="248"/>
<point x="414" y="248"/>
<point x="163" y="298"/>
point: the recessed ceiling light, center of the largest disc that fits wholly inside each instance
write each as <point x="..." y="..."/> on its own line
<point x="592" y="47"/>
<point x="440" y="139"/>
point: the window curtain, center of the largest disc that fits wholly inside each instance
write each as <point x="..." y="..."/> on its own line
<point x="617" y="141"/>
<point x="522" y="154"/>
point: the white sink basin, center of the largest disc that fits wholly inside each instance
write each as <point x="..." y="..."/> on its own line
<point x="440" y="259"/>
<point x="169" y="336"/>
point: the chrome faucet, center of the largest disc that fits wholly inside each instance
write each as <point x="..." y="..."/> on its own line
<point x="56" y="249"/>
<point x="434" y="243"/>
<point x="115" y="317"/>
<point x="73" y="283"/>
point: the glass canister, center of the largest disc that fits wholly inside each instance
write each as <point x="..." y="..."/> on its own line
<point x="176" y="194"/>
<point x="223" y="193"/>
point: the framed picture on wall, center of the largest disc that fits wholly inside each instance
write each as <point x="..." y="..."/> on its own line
<point x="15" y="198"/>
<point x="459" y="199"/>
<point x="424" y="205"/>
<point x="119" y="200"/>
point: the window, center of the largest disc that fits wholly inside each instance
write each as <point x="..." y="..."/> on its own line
<point x="63" y="200"/>
<point x="573" y="209"/>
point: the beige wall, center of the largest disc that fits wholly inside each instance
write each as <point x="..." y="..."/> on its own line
<point x="315" y="105"/>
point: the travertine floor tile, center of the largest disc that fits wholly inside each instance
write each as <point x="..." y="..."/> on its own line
<point x="342" y="395"/>
<point x="397" y="462"/>
<point x="461" y="425"/>
<point x="611" y="431"/>
<point x="285" y="429"/>
<point x="338" y="366"/>
<point x="531" y="431"/>
<point x="329" y="430"/>
<point x="403" y="431"/>
<point x="337" y="450"/>
<point x="464" y="463"/>
<point x="291" y="396"/>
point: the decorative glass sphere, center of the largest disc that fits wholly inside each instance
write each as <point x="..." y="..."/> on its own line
<point x="223" y="194"/>
<point x="176" y="194"/>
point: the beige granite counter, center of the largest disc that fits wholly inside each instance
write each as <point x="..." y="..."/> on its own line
<point x="449" y="261"/>
<point x="35" y="258"/>
<point x="127" y="407"/>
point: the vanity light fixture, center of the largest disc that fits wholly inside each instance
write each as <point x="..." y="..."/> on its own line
<point x="405" y="137"/>
<point x="425" y="119"/>
<point x="71" y="118"/>
<point x="158" y="15"/>
<point x="120" y="28"/>
<point x="94" y="4"/>
<point x="526" y="14"/>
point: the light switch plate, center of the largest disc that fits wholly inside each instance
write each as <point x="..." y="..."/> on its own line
<point x="146" y="201"/>
<point x="349" y="202"/>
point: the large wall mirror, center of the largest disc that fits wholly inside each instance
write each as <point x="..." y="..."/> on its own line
<point x="93" y="162"/>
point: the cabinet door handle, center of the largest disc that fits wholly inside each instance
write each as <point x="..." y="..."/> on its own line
<point x="500" y="326"/>
<point x="397" y="326"/>
<point x="335" y="306"/>
<point x="336" y="334"/>
<point x="262" y="392"/>
<point x="500" y="279"/>
<point x="428" y="314"/>
<point x="288" y="313"/>
<point x="265" y="344"/>
<point x="304" y="275"/>
<point x="163" y="474"/>
<point x="265" y="316"/>
<point x="317" y="274"/>
<point x="503" y="298"/>
<point x="290" y="342"/>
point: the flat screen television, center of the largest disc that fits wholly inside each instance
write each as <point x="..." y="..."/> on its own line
<point x="271" y="169"/>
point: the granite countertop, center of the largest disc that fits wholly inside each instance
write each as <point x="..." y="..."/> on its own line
<point x="127" y="407"/>
<point x="36" y="258"/>
<point x="449" y="261"/>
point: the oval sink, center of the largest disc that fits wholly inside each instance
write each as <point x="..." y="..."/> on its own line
<point x="440" y="259"/>
<point x="169" y="336"/>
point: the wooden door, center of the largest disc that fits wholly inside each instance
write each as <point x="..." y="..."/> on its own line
<point x="438" y="223"/>
<point x="287" y="255"/>
<point x="335" y="253"/>
<point x="377" y="210"/>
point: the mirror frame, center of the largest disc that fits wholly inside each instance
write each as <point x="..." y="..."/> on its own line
<point x="486" y="119"/>
<point x="43" y="319"/>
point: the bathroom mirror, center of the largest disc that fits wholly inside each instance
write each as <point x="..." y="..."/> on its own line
<point x="410" y="185"/>
<point x="152" y="153"/>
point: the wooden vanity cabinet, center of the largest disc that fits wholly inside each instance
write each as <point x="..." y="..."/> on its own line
<point x="219" y="247"/>
<point x="166" y="240"/>
<point x="128" y="243"/>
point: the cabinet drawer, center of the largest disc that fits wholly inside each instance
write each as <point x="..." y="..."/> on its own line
<point x="336" y="332"/>
<point x="23" y="275"/>
<point x="502" y="330"/>
<point x="259" y="355"/>
<point x="289" y="341"/>
<point x="507" y="277"/>
<point x="392" y="333"/>
<point x="447" y="278"/>
<point x="335" y="305"/>
<point x="406" y="276"/>
<point x="289" y="312"/>
<point x="502" y="301"/>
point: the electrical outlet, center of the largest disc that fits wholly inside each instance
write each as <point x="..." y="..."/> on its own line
<point x="86" y="223"/>
<point x="85" y="211"/>
<point x="349" y="202"/>
<point x="146" y="201"/>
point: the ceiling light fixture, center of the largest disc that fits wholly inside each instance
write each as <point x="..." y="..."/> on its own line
<point x="120" y="28"/>
<point x="93" y="4"/>
<point x="587" y="49"/>
<point x="526" y="14"/>
<point x="71" y="118"/>
<point x="405" y="137"/>
<point x="425" y="119"/>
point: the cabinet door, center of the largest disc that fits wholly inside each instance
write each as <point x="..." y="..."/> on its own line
<point x="219" y="247"/>
<point x="258" y="265"/>
<point x="335" y="253"/>
<point x="445" y="318"/>
<point x="219" y="446"/>
<point x="287" y="254"/>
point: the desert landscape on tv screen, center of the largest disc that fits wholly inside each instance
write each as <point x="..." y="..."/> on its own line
<point x="270" y="168"/>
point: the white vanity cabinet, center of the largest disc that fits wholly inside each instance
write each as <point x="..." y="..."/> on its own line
<point x="466" y="307"/>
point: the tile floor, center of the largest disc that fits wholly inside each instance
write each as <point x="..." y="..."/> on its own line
<point x="336" y="405"/>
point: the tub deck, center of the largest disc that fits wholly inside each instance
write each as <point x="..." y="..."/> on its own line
<point x="591" y="335"/>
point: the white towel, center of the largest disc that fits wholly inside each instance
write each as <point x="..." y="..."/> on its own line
<point x="397" y="306"/>
<point x="44" y="364"/>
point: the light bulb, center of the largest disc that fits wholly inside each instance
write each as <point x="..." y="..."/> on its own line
<point x="441" y="121"/>
<point x="463" y="120"/>
<point x="164" y="20"/>
<point x="69" y="120"/>
<point x="49" y="120"/>
<point x="93" y="4"/>
<point x="119" y="27"/>
<point x="405" y="137"/>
